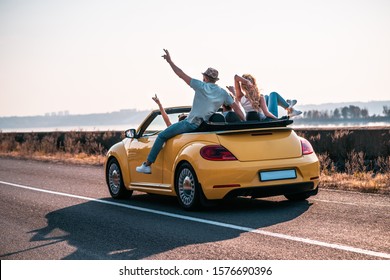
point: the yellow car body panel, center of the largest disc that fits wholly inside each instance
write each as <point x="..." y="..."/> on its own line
<point x="256" y="150"/>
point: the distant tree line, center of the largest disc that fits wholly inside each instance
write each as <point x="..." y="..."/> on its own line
<point x="346" y="112"/>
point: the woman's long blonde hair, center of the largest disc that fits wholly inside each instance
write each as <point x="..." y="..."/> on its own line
<point x="252" y="93"/>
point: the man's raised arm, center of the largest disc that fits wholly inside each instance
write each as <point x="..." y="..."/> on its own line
<point x="176" y="69"/>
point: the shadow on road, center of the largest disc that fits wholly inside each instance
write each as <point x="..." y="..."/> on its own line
<point x="100" y="231"/>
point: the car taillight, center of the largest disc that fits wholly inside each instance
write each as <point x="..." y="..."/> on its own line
<point x="307" y="149"/>
<point x="216" y="152"/>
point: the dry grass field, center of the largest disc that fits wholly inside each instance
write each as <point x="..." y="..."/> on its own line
<point x="352" y="158"/>
<point x="355" y="159"/>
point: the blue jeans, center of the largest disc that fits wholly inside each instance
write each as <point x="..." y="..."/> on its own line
<point x="173" y="130"/>
<point x="274" y="100"/>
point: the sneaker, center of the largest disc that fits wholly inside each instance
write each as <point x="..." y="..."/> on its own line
<point x="144" y="169"/>
<point x="294" y="113"/>
<point x="291" y="103"/>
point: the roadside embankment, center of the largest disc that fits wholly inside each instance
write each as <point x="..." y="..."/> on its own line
<point x="351" y="158"/>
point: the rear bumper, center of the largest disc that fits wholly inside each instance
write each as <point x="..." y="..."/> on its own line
<point x="232" y="178"/>
<point x="268" y="191"/>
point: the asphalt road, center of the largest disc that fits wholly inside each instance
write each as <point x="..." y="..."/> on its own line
<point x="58" y="211"/>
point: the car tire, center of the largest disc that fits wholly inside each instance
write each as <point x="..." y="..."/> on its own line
<point x="187" y="187"/>
<point x="114" y="179"/>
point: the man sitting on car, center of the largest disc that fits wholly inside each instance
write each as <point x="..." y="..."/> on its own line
<point x="209" y="97"/>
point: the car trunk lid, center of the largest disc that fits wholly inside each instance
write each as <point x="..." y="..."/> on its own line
<point x="261" y="144"/>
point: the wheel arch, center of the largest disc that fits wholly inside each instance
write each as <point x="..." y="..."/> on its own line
<point x="118" y="152"/>
<point x="188" y="154"/>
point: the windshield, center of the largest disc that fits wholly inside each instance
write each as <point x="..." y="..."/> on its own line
<point x="158" y="124"/>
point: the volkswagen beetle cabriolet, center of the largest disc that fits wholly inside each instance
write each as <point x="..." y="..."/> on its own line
<point x="223" y="158"/>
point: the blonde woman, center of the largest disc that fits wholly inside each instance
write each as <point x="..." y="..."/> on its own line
<point x="248" y="95"/>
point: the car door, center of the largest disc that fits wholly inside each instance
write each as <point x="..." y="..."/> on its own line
<point x="138" y="150"/>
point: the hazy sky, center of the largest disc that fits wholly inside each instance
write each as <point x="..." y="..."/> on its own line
<point x="91" y="56"/>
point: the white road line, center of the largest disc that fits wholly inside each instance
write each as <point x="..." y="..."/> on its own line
<point x="214" y="223"/>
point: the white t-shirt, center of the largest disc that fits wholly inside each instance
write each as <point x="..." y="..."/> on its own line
<point x="247" y="105"/>
<point x="207" y="100"/>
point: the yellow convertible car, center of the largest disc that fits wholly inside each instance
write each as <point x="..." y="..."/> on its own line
<point x="223" y="158"/>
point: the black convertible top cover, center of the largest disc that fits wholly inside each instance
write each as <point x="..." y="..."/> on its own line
<point x="220" y="126"/>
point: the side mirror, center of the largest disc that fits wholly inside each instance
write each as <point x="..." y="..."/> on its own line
<point x="131" y="133"/>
